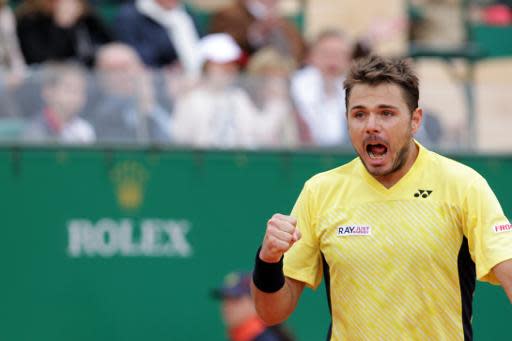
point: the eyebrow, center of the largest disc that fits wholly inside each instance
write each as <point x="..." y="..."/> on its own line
<point x="380" y="106"/>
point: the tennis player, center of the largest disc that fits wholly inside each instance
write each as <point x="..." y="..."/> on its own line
<point x="399" y="234"/>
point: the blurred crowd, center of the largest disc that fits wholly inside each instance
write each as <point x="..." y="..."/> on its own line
<point x="152" y="75"/>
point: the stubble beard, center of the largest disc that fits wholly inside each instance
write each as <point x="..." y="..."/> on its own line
<point x="398" y="163"/>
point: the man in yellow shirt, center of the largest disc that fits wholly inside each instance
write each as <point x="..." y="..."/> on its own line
<point x="399" y="234"/>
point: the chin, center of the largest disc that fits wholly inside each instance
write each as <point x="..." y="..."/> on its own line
<point x="378" y="171"/>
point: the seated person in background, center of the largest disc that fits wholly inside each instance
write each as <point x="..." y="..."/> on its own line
<point x="64" y="95"/>
<point x="431" y="131"/>
<point x="239" y="314"/>
<point x="126" y="109"/>
<point x="267" y="81"/>
<point x="317" y="89"/>
<point x="162" y="32"/>
<point x="12" y="63"/>
<point x="255" y="24"/>
<point x="218" y="113"/>
<point x="59" y="30"/>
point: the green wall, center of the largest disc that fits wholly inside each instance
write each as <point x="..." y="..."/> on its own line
<point x="126" y="244"/>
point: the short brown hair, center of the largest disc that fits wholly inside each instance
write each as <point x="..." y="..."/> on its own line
<point x="375" y="70"/>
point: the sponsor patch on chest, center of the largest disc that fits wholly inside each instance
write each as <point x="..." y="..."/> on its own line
<point x="502" y="228"/>
<point x="354" y="230"/>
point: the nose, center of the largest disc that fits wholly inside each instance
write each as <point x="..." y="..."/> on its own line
<point x="372" y="124"/>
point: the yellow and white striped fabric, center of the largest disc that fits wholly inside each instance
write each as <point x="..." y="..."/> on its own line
<point x="399" y="263"/>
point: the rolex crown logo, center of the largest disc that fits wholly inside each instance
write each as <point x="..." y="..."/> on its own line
<point x="129" y="177"/>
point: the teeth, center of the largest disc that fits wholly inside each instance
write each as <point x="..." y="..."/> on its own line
<point x="373" y="156"/>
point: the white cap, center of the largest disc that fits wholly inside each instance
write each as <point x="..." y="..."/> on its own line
<point x="219" y="48"/>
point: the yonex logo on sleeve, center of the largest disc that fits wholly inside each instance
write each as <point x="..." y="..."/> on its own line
<point x="502" y="228"/>
<point x="356" y="230"/>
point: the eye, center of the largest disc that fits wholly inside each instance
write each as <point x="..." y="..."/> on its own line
<point x="387" y="113"/>
<point x="358" y="114"/>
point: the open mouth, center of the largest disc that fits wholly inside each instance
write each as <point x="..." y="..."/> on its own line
<point x="376" y="151"/>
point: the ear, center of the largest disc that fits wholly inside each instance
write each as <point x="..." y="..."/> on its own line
<point x="416" y="119"/>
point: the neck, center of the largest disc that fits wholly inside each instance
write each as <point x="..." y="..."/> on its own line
<point x="388" y="180"/>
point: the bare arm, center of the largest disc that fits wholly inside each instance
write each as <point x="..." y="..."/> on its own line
<point x="503" y="272"/>
<point x="275" y="307"/>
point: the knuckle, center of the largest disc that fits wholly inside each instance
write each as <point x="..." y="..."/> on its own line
<point x="271" y="230"/>
<point x="271" y="225"/>
<point x="276" y="216"/>
<point x="288" y="237"/>
<point x="275" y="226"/>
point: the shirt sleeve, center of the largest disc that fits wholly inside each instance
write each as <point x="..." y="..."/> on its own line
<point x="303" y="262"/>
<point x="488" y="231"/>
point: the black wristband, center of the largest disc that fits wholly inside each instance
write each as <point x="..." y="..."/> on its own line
<point x="268" y="277"/>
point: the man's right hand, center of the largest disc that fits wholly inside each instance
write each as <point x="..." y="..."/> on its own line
<point x="281" y="234"/>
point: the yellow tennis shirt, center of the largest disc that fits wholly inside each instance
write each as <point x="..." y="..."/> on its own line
<point x="399" y="263"/>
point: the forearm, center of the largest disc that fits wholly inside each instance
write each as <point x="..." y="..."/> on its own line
<point x="508" y="290"/>
<point x="275" y="296"/>
<point x="274" y="308"/>
<point x="503" y="272"/>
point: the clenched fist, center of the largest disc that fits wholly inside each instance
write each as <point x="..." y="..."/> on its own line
<point x="281" y="234"/>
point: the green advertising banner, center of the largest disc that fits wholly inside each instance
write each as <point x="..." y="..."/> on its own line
<point x="127" y="244"/>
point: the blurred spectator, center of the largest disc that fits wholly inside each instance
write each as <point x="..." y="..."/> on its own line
<point x="268" y="75"/>
<point x="64" y="96"/>
<point x="361" y="49"/>
<point x="317" y="90"/>
<point x="496" y="13"/>
<point x="255" y="24"/>
<point x="437" y="23"/>
<point x="12" y="63"/>
<point x="162" y="32"/>
<point x="239" y="314"/>
<point x="218" y="113"/>
<point x="59" y="30"/>
<point x="431" y="130"/>
<point x="127" y="109"/>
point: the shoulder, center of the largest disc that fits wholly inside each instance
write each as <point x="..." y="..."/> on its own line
<point x="239" y="94"/>
<point x="36" y="129"/>
<point x="306" y="73"/>
<point x="454" y="180"/>
<point x="198" y="93"/>
<point x="129" y="11"/>
<point x="79" y="129"/>
<point x="81" y="123"/>
<point x="450" y="170"/>
<point x="6" y="15"/>
<point x="194" y="102"/>
<point x="29" y="19"/>
<point x="306" y="80"/>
